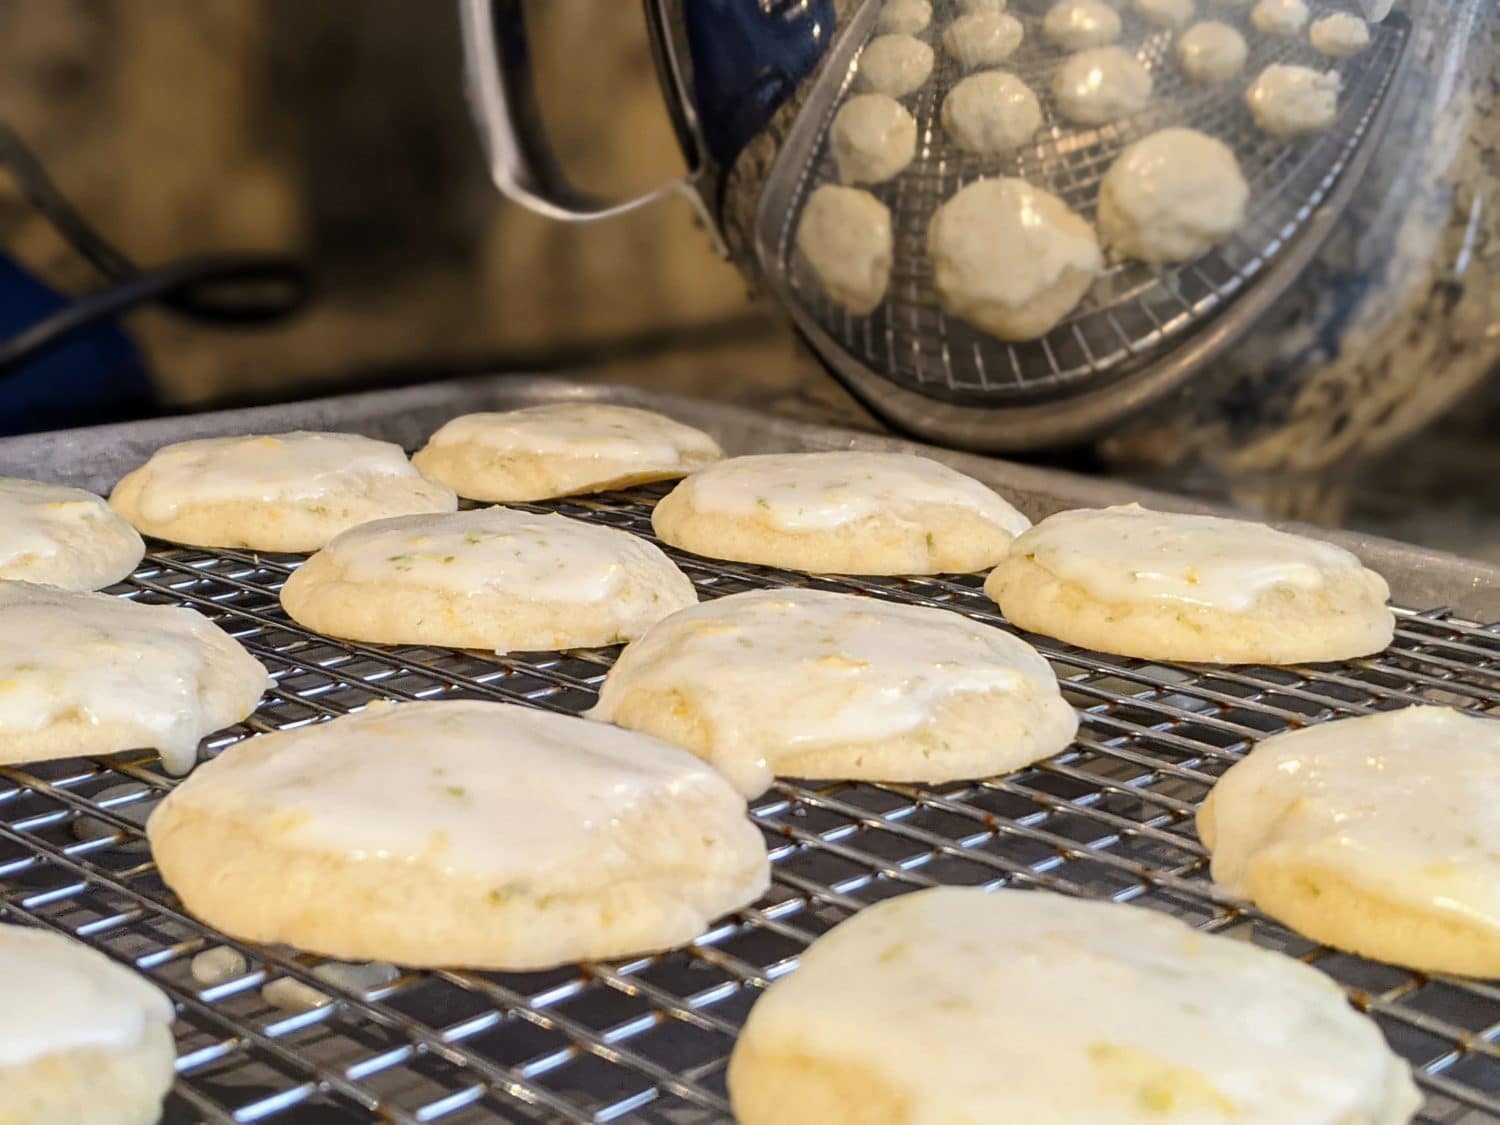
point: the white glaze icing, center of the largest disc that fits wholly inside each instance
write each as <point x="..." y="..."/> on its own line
<point x="1100" y="85"/>
<point x="1287" y="100"/>
<point x="991" y="112"/>
<point x="1171" y="196"/>
<point x="57" y="994"/>
<point x="809" y="492"/>
<point x="894" y="65"/>
<point x="839" y="668"/>
<point x="1279" y="17"/>
<point x="1132" y="554"/>
<point x="1405" y="805"/>
<point x="298" y="466"/>
<point x="107" y="659"/>
<point x="485" y="550"/>
<point x="37" y="518"/>
<point x="489" y="791"/>
<point x="1339" y="34"/>
<point x="984" y="38"/>
<point x="1211" y="51"/>
<point x="872" y="138"/>
<point x="1076" y="24"/>
<point x="591" y="430"/>
<point x="1026" y="1006"/>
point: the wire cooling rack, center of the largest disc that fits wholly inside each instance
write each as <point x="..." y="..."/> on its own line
<point x="647" y="1039"/>
<point x="1133" y="309"/>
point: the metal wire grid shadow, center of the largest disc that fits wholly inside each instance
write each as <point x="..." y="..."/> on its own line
<point x="1132" y="309"/>
<point x="647" y="1039"/>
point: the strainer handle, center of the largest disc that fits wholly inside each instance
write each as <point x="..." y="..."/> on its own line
<point x="497" y="71"/>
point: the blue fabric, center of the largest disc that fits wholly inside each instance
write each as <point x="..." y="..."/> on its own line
<point x="95" y="376"/>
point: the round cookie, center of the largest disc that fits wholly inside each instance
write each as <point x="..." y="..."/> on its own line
<point x="1165" y="586"/>
<point x="491" y="578"/>
<point x="65" y="537"/>
<point x="872" y="138"/>
<point x="984" y="38"/>
<point x="1074" y="25"/>
<point x="969" y="7"/>
<point x="1376" y="835"/>
<point x="805" y="683"/>
<point x="1211" y="51"/>
<point x="1279" y="17"/>
<point x="1165" y="13"/>
<point x="1026" y="1006"/>
<point x="93" y="674"/>
<point x="1010" y="258"/>
<point x="82" y="1038"/>
<point x="459" y="833"/>
<point x="991" y="113"/>
<point x="846" y="512"/>
<point x="1287" y="101"/>
<point x="845" y="235"/>
<point x="1101" y="85"/>
<point x="273" y="492"/>
<point x="1340" y="35"/>
<point x="1171" y="196"/>
<point x="904" y="17"/>
<point x="894" y="65"/>
<point x="561" y="449"/>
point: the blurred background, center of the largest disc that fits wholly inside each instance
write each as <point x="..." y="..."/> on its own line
<point x="336" y="131"/>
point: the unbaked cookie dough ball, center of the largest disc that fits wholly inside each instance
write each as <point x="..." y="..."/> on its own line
<point x="1211" y="51"/>
<point x="845" y="235"/>
<point x="983" y="39"/>
<point x="991" y="113"/>
<point x="904" y="17"/>
<point x="872" y="139"/>
<point x="1171" y="196"/>
<point x="1010" y="258"/>
<point x="1279" y="17"/>
<point x="893" y="65"/>
<point x="1076" y="24"/>
<point x="1101" y="85"/>
<point x="1165" y="13"/>
<point x="1290" y="100"/>
<point x="1340" y="35"/>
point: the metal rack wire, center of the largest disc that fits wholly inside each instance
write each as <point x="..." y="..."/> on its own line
<point x="1133" y="310"/>
<point x="647" y="1039"/>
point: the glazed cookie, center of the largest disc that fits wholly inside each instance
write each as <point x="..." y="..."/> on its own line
<point x="83" y="1040"/>
<point x="1211" y="51"/>
<point x="1101" y="85"/>
<point x="65" y="537"/>
<point x="982" y="39"/>
<point x="1375" y="835"/>
<point x="847" y="512"/>
<point x="1076" y="24"/>
<point x="1279" y="17"/>
<point x="1171" y="196"/>
<point x="279" y="492"/>
<point x="1010" y="258"/>
<point x="1165" y="13"/>
<point x="93" y="674"/>
<point x="991" y="113"/>
<point x="561" y="449"/>
<point x="804" y="683"/>
<point x="1340" y="35"/>
<point x="1287" y="101"/>
<point x="894" y="65"/>
<point x="491" y="578"/>
<point x="845" y="235"/>
<point x="872" y="138"/>
<point x="1026" y="1006"/>
<point x="904" y="17"/>
<point x="459" y="833"/>
<point x="1164" y="586"/>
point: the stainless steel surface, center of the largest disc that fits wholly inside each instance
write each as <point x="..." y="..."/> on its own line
<point x="647" y="1038"/>
<point x="1140" y="331"/>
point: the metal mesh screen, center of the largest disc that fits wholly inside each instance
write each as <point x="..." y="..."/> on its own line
<point x="647" y="1039"/>
<point x="1134" y="309"/>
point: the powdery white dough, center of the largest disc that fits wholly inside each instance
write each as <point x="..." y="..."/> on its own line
<point x="1076" y="24"/>
<point x="1211" y="51"/>
<point x="872" y="139"/>
<point x="1010" y="258"/>
<point x="893" y="65"/>
<point x="1101" y="85"/>
<point x="1171" y="196"/>
<point x="845" y="235"/>
<point x="982" y="39"/>
<point x="1288" y="101"/>
<point x="954" y="1004"/>
<point x="63" y="537"/>
<point x="1340" y="35"/>
<point x="1373" y="834"/>
<point x="991" y="113"/>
